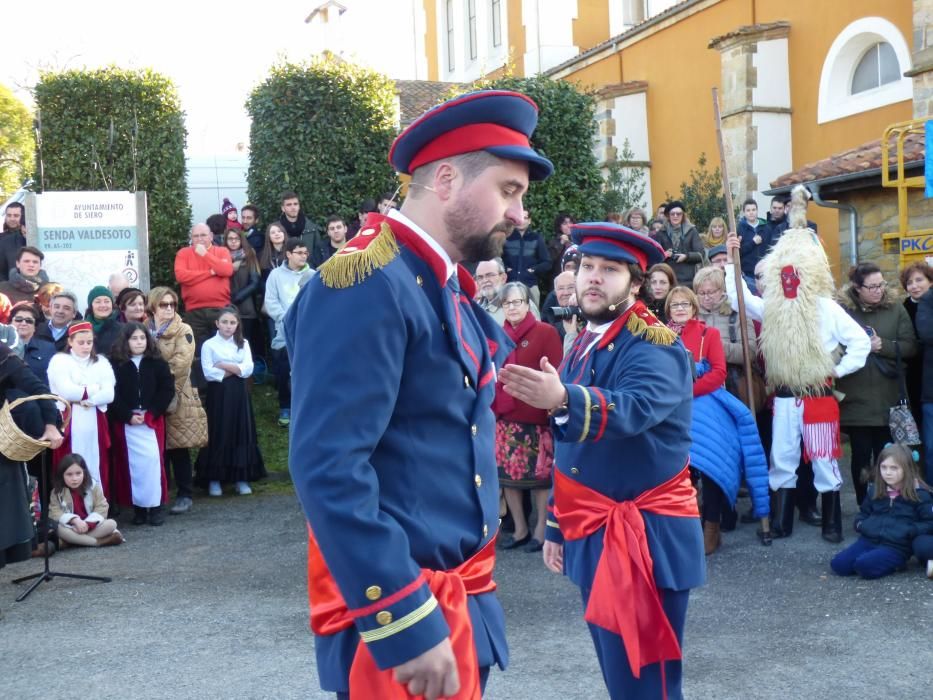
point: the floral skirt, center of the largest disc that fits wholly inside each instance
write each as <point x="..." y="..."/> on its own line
<point x="524" y="455"/>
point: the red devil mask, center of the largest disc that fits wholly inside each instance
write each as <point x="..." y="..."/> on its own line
<point x="790" y="280"/>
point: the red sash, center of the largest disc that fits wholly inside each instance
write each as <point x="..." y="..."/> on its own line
<point x="330" y="614"/>
<point x="624" y="598"/>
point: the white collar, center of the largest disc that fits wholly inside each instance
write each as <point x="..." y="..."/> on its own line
<point x="422" y="234"/>
<point x="600" y="329"/>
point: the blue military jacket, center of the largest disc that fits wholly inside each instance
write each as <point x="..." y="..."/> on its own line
<point x="392" y="440"/>
<point x="628" y="430"/>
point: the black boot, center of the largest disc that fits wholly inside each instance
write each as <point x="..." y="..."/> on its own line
<point x="832" y="517"/>
<point x="141" y="515"/>
<point x="156" y="516"/>
<point x="782" y="513"/>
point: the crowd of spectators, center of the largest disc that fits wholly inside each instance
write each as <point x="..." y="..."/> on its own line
<point x="149" y="381"/>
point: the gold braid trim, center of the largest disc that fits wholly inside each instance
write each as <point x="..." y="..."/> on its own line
<point x="403" y="623"/>
<point x="355" y="263"/>
<point x="656" y="333"/>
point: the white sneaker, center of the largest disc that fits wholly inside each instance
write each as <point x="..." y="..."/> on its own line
<point x="243" y="488"/>
<point x="213" y="489"/>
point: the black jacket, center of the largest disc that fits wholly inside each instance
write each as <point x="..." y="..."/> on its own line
<point x="151" y="388"/>
<point x="244" y="286"/>
<point x="524" y="252"/>
<point x="924" y="325"/>
<point x="10" y="243"/>
<point x="106" y="336"/>
<point x="895" y="522"/>
<point x="44" y="332"/>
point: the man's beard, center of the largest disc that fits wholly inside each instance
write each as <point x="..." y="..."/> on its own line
<point x="604" y="314"/>
<point x="469" y="236"/>
<point x="489" y="293"/>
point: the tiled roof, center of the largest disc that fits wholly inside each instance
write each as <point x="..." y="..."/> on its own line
<point x="853" y="161"/>
<point x="418" y="96"/>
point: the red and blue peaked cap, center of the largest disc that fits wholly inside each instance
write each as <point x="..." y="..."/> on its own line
<point x="496" y="121"/>
<point x="616" y="242"/>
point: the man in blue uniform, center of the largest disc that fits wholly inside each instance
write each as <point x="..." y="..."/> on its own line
<point x="392" y="441"/>
<point x="624" y="524"/>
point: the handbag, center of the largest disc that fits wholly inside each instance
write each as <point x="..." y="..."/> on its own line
<point x="900" y="419"/>
<point x="187" y="426"/>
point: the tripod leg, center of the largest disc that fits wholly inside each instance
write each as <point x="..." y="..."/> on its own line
<point x="44" y="576"/>
<point x="102" y="579"/>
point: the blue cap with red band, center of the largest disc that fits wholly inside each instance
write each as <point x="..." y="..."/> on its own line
<point x="616" y="242"/>
<point x="496" y="121"/>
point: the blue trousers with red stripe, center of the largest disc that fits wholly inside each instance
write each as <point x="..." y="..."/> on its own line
<point x="654" y="681"/>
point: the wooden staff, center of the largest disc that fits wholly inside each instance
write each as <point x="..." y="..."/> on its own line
<point x="737" y="267"/>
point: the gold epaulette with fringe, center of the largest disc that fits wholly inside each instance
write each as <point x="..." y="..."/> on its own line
<point x="367" y="251"/>
<point x="644" y="324"/>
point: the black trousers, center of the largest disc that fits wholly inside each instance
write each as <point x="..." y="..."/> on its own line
<point x="283" y="377"/>
<point x="866" y="443"/>
<point x="178" y="463"/>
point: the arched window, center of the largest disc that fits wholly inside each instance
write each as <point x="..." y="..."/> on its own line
<point x="864" y="70"/>
<point x="877" y="67"/>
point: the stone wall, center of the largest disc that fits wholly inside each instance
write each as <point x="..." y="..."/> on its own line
<point x="878" y="214"/>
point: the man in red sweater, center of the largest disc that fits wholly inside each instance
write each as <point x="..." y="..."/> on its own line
<point x="203" y="270"/>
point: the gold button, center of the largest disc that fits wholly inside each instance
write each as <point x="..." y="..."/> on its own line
<point x="611" y="407"/>
<point x="478" y="480"/>
<point x="611" y="347"/>
<point x="474" y="430"/>
<point x="466" y="381"/>
<point x="419" y="280"/>
<point x="574" y="470"/>
<point x="374" y="593"/>
<point x="485" y="530"/>
<point x="384" y="617"/>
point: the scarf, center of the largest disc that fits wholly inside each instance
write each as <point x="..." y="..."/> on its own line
<point x="678" y="328"/>
<point x="504" y="403"/>
<point x="26" y="284"/>
<point x="98" y="323"/>
<point x="294" y="230"/>
<point x="160" y="331"/>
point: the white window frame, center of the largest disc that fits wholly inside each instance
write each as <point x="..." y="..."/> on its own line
<point x="836" y="100"/>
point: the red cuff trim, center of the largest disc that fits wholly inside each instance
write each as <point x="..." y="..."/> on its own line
<point x="387" y="601"/>
<point x="604" y="414"/>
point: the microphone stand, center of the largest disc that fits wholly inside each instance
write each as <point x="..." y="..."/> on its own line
<point x="46" y="574"/>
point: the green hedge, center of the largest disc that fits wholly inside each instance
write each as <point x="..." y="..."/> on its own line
<point x="88" y="122"/>
<point x="322" y="129"/>
<point x="565" y="132"/>
<point x="16" y="143"/>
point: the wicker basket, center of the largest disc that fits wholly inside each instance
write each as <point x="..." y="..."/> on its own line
<point x="16" y="445"/>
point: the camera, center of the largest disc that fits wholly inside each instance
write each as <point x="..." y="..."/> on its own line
<point x="562" y="313"/>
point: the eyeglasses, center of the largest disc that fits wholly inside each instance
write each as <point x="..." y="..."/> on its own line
<point x="515" y="303"/>
<point x="873" y="287"/>
<point x="681" y="305"/>
<point x="676" y="213"/>
<point x="166" y="304"/>
<point x="24" y="319"/>
<point x="487" y="276"/>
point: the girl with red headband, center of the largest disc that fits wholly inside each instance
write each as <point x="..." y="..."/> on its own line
<point x="85" y="379"/>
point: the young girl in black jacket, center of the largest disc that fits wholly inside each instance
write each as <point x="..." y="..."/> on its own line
<point x="145" y="388"/>
<point x="900" y="509"/>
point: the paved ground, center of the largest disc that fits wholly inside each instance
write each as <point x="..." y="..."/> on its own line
<point x="213" y="605"/>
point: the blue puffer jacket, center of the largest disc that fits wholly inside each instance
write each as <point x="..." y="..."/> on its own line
<point x="726" y="446"/>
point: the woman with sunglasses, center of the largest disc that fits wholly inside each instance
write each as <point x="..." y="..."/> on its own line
<point x="185" y="420"/>
<point x="37" y="352"/>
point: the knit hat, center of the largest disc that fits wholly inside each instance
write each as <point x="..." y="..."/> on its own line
<point x="227" y="207"/>
<point x="99" y="291"/>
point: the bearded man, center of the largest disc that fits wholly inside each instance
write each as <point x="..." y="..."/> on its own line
<point x="801" y="330"/>
<point x="623" y="524"/>
<point x="401" y="492"/>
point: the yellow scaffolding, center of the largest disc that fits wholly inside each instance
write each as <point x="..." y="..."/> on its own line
<point x="910" y="245"/>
